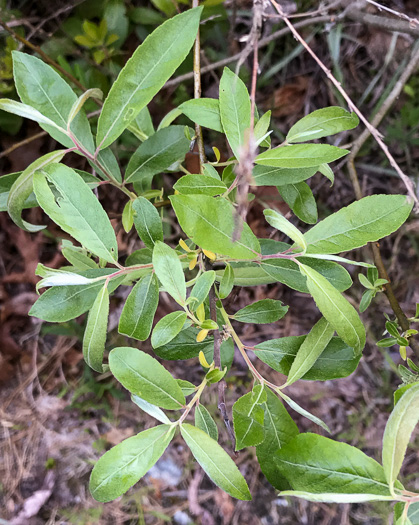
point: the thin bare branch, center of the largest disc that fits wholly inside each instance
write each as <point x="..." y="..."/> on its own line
<point x="374" y="132"/>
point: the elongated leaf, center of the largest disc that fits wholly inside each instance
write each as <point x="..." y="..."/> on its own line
<point x="227" y="282"/>
<point x="209" y="223"/>
<point x="308" y="353"/>
<point x="247" y="274"/>
<point x="6" y="182"/>
<point x="300" y="155"/>
<point x="96" y="330"/>
<point x="234" y="110"/>
<point x="287" y="272"/>
<point x="203" y="111"/>
<point x="157" y="153"/>
<point x="167" y="328"/>
<point x="90" y="93"/>
<point x="122" y="466"/>
<point x="41" y="87"/>
<point x="317" y="464"/>
<point x="107" y="165"/>
<point x="145" y="73"/>
<point x="23" y="110"/>
<point x="22" y="188"/>
<point x="248" y="416"/>
<point x="185" y="346"/>
<point x="151" y="410"/>
<point x="147" y="222"/>
<point x="145" y="377"/>
<point x="201" y="289"/>
<point x="332" y="497"/>
<point x="169" y="270"/>
<point x="63" y="303"/>
<point x="216" y="462"/>
<point x="300" y="199"/>
<point x="77" y="256"/>
<point x="282" y="224"/>
<point x="337" y="359"/>
<point x="322" y="123"/>
<point x="138" y="313"/>
<point x="204" y="421"/>
<point x="336" y="309"/>
<point x="261" y="312"/>
<point x="399" y="428"/>
<point x="305" y="413"/>
<point x="363" y="221"/>
<point x="279" y="429"/>
<point x="261" y="128"/>
<point x="77" y="211"/>
<point x="200" y="185"/>
<point x="271" y="176"/>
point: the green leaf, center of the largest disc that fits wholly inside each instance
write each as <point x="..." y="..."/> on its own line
<point x="210" y="171"/>
<point x="412" y="517"/>
<point x="169" y="270"/>
<point x="261" y="312"/>
<point x="151" y="410"/>
<point x="218" y="465"/>
<point x="23" y="186"/>
<point x="147" y="222"/>
<point x="96" y="330"/>
<point x="336" y="309"/>
<point x="146" y="72"/>
<point x="234" y="110"/>
<point x="6" y="183"/>
<point x="77" y="211"/>
<point x="288" y="273"/>
<point x="401" y="390"/>
<point x="261" y="128"/>
<point x="282" y="224"/>
<point x="279" y="429"/>
<point x="337" y="359"/>
<point x="122" y="466"/>
<point x="317" y="464"/>
<point x="41" y="87"/>
<point x="79" y="103"/>
<point x="107" y="161"/>
<point x="201" y="289"/>
<point x="305" y="413"/>
<point x="145" y="377"/>
<point x="127" y="217"/>
<point x="300" y="155"/>
<point x="248" y="416"/>
<point x="331" y="497"/>
<point x="209" y="223"/>
<point x="138" y="313"/>
<point x="363" y="221"/>
<point x="247" y="274"/>
<point x="157" y="153"/>
<point x="77" y="257"/>
<point x="322" y="123"/>
<point x="398" y="431"/>
<point x="227" y="282"/>
<point x="327" y="171"/>
<point x="23" y="110"/>
<point x="63" y="303"/>
<point x="203" y="111"/>
<point x="185" y="346"/>
<point x="300" y="199"/>
<point x="167" y="328"/>
<point x="142" y="125"/>
<point x="308" y="353"/>
<point x="204" y="421"/>
<point x="200" y="185"/>
<point x="271" y="176"/>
